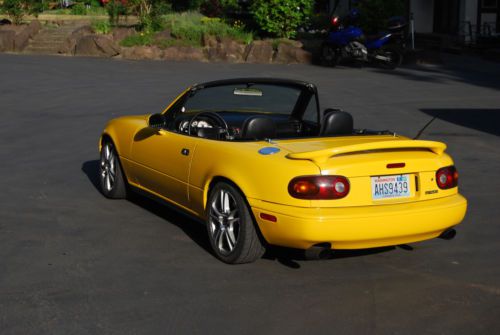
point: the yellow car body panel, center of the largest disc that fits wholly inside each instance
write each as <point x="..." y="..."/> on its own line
<point x="156" y="161"/>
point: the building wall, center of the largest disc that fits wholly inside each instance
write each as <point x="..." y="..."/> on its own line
<point x="423" y="15"/>
<point x="470" y="11"/>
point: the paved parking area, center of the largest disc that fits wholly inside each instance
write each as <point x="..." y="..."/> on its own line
<point x="73" y="262"/>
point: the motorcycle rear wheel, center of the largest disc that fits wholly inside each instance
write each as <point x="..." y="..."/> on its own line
<point x="393" y="54"/>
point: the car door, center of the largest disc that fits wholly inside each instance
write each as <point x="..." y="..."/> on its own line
<point x="161" y="160"/>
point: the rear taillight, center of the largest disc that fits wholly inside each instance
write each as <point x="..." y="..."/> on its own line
<point x="447" y="177"/>
<point x="319" y="187"/>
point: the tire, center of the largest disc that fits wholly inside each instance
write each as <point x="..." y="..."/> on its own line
<point x="396" y="58"/>
<point x="231" y="229"/>
<point x="329" y="56"/>
<point x="111" y="178"/>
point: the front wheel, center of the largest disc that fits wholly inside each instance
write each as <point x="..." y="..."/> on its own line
<point x="389" y="58"/>
<point x="231" y="229"/>
<point x="111" y="179"/>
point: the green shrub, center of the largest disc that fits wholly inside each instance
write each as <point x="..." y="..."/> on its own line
<point x="281" y="18"/>
<point x="220" y="8"/>
<point x="14" y="8"/>
<point x="184" y="5"/>
<point x="191" y="26"/>
<point x="115" y="9"/>
<point x="101" y="27"/>
<point x="79" y="9"/>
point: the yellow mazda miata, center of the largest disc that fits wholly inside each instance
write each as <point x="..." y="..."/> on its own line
<point x="261" y="163"/>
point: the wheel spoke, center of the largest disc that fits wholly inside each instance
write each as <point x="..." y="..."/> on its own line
<point x="230" y="243"/>
<point x="222" y="201"/>
<point x="111" y="177"/>
<point x="226" y="207"/>
<point x="218" y="239"/>
<point x="231" y="239"/>
<point x="108" y="182"/>
<point x="106" y="152"/>
<point x="217" y="212"/>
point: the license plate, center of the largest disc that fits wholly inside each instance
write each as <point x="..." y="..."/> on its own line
<point x="390" y="187"/>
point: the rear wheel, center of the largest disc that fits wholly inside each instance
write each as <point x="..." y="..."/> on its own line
<point x="394" y="58"/>
<point x="111" y="179"/>
<point x="231" y="229"/>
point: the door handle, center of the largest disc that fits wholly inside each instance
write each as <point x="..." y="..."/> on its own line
<point x="185" y="152"/>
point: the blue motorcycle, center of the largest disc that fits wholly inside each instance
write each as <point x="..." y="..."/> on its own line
<point x="347" y="41"/>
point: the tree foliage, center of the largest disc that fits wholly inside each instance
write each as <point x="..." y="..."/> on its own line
<point x="17" y="9"/>
<point x="375" y="13"/>
<point x="281" y="18"/>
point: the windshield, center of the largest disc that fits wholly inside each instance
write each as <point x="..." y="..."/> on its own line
<point x="256" y="98"/>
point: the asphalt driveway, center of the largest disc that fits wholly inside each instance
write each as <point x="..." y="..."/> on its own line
<point x="73" y="262"/>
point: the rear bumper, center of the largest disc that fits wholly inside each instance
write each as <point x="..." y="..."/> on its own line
<point x="359" y="227"/>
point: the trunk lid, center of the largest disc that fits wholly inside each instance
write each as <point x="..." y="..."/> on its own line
<point x="372" y="163"/>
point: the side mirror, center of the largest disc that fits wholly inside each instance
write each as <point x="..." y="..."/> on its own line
<point x="157" y="121"/>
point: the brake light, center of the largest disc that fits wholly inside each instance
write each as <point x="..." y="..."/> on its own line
<point x="447" y="177"/>
<point x="335" y="20"/>
<point x="319" y="187"/>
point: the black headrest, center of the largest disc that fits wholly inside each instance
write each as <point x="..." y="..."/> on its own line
<point x="258" y="128"/>
<point x="336" y="122"/>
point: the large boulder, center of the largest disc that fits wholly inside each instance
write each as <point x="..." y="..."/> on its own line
<point x="7" y="40"/>
<point x="260" y="52"/>
<point x="231" y="51"/>
<point x="181" y="53"/>
<point x="70" y="43"/>
<point x="120" y="33"/>
<point x="209" y="41"/>
<point x="21" y="40"/>
<point x="142" y="52"/>
<point x="96" y="45"/>
<point x="289" y="53"/>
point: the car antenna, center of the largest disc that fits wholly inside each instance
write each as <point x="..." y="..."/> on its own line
<point x="424" y="127"/>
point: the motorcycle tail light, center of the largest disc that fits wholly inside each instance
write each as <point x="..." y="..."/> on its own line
<point x="447" y="177"/>
<point x="319" y="187"/>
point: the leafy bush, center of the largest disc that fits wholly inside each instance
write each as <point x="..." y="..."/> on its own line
<point x="184" y="5"/>
<point x="149" y="13"/>
<point x="188" y="29"/>
<point x="17" y="9"/>
<point x="79" y="9"/>
<point x="191" y="27"/>
<point x="281" y="18"/>
<point x="101" y="27"/>
<point x="220" y="8"/>
<point x="115" y="9"/>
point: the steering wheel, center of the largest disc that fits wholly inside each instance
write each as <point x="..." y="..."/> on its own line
<point x="218" y="120"/>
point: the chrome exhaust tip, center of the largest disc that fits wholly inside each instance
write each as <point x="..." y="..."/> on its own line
<point x="319" y="251"/>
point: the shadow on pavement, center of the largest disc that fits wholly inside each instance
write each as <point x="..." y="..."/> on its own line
<point x="196" y="230"/>
<point x="485" y="120"/>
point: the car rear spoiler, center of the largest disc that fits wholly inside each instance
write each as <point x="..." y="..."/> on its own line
<point x="321" y="156"/>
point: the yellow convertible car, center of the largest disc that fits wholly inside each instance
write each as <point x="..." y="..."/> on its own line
<point x="262" y="164"/>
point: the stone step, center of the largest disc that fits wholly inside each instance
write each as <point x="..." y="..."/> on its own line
<point x="50" y="40"/>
